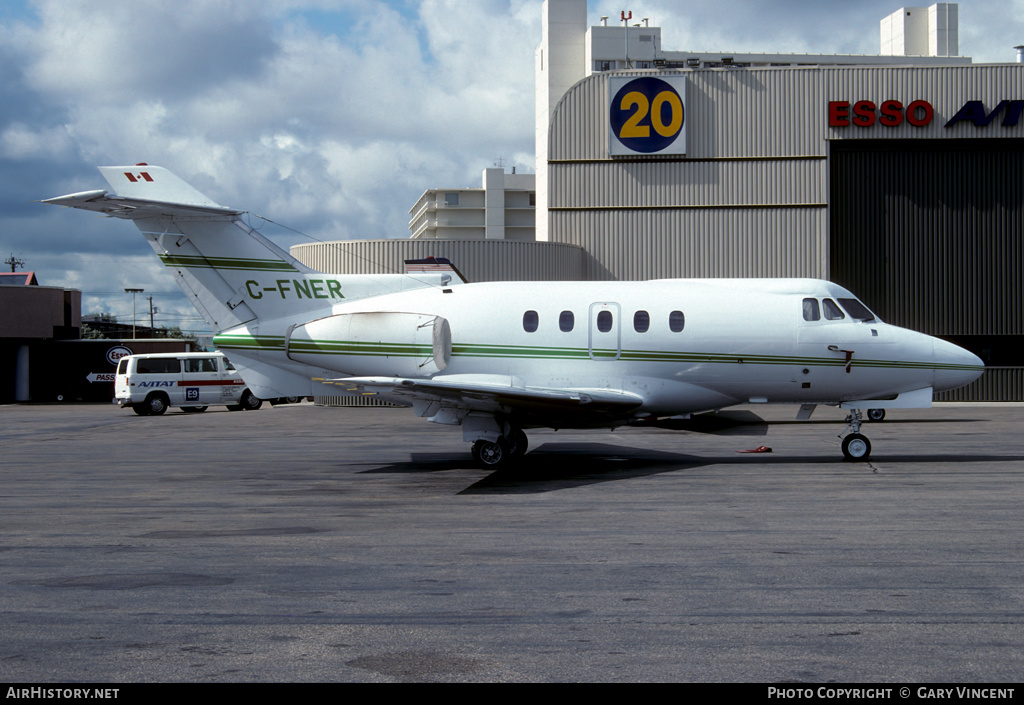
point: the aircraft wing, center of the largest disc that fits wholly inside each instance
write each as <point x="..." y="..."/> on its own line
<point x="482" y="393"/>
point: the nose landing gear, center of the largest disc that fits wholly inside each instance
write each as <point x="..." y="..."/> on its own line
<point x="855" y="446"/>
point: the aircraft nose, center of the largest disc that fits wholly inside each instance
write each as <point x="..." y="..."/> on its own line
<point x="954" y="366"/>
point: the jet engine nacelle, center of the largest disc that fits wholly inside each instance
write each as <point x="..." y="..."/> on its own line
<point x="407" y="344"/>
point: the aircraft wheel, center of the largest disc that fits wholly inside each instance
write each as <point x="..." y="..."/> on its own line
<point x="856" y="447"/>
<point x="491" y="454"/>
<point x="517" y="443"/>
<point x="156" y="404"/>
<point x="876" y="414"/>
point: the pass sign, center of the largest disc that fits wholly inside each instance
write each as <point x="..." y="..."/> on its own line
<point x="646" y="115"/>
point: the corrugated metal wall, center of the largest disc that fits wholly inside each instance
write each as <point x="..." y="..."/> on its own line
<point x="632" y="244"/>
<point x="750" y="198"/>
<point x="478" y="260"/>
<point x="931" y="237"/>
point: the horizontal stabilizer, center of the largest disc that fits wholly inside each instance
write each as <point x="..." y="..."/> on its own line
<point x="143" y="191"/>
<point x="436" y="265"/>
<point x="132" y="208"/>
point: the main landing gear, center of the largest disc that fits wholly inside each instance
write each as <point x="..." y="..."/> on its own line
<point x="493" y="455"/>
<point x="855" y="446"/>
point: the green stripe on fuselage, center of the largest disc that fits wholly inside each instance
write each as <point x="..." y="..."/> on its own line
<point x="255" y="265"/>
<point x="526" y="352"/>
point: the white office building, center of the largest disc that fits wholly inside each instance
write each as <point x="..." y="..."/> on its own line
<point x="502" y="208"/>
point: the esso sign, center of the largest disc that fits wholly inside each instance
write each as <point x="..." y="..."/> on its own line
<point x="116" y="353"/>
<point x="890" y="113"/>
<point x="919" y="113"/>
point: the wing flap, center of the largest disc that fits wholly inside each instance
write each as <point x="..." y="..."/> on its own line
<point x="496" y="397"/>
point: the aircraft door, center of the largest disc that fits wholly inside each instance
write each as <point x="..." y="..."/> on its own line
<point x="605" y="339"/>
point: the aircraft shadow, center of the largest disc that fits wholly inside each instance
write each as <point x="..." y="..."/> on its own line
<point x="724" y="423"/>
<point x="556" y="466"/>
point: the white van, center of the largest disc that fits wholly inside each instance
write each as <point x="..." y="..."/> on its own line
<point x="193" y="381"/>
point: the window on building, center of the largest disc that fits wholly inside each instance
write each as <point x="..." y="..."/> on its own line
<point x="530" y="321"/>
<point x="451" y="199"/>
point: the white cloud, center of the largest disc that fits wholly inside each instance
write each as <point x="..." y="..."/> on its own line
<point x="329" y="116"/>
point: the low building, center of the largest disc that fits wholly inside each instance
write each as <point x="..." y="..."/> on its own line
<point x="41" y="355"/>
<point x="502" y="208"/>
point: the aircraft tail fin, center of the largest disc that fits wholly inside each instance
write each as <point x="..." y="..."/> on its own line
<point x="231" y="273"/>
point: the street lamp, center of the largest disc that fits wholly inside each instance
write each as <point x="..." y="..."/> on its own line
<point x="133" y="292"/>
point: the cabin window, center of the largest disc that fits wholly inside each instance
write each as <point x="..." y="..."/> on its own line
<point x="857" y="310"/>
<point x="811" y="310"/>
<point x="832" y="310"/>
<point x="566" y="321"/>
<point x="641" y="321"/>
<point x="530" y="321"/>
<point x="676" y="321"/>
<point x="604" y="321"/>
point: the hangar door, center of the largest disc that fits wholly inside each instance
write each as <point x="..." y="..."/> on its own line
<point x="930" y="234"/>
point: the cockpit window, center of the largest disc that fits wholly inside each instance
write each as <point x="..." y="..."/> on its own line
<point x="811" y="310"/>
<point x="832" y="310"/>
<point x="857" y="310"/>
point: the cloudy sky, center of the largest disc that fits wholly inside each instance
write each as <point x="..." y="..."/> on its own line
<point x="329" y="116"/>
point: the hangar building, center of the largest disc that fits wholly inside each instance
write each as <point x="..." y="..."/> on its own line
<point x="896" y="175"/>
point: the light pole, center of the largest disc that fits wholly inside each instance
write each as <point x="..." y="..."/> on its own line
<point x="133" y="292"/>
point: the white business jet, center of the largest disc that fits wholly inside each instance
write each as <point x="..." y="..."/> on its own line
<point x="497" y="358"/>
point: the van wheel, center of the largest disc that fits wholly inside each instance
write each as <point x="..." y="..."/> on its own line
<point x="140" y="409"/>
<point x="249" y="402"/>
<point x="156" y="404"/>
<point x="193" y="409"/>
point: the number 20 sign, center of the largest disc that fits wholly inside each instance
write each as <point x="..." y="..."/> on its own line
<point x="646" y="115"/>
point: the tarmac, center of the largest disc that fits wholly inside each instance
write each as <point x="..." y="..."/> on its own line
<point x="300" y="543"/>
